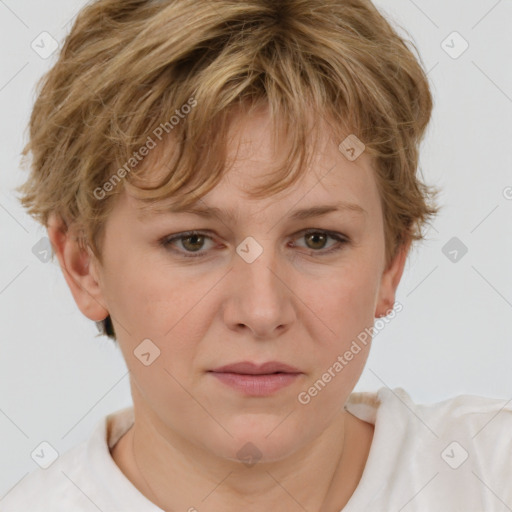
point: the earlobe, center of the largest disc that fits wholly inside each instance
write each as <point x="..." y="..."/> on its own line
<point x="390" y="281"/>
<point x="78" y="268"/>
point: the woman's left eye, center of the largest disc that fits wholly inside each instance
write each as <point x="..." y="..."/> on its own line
<point x="193" y="241"/>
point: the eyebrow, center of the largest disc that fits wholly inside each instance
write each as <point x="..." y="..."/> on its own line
<point x="301" y="214"/>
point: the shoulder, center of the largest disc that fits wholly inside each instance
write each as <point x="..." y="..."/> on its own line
<point x="476" y="415"/>
<point x="462" y="427"/>
<point x="51" y="488"/>
<point x="456" y="452"/>
<point x="79" y="479"/>
<point x="471" y="411"/>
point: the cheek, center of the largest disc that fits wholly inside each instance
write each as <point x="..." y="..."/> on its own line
<point x="342" y="304"/>
<point x="148" y="299"/>
<point x="339" y="328"/>
<point x="168" y="308"/>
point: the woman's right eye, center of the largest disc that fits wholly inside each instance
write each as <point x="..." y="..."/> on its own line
<point x="191" y="241"/>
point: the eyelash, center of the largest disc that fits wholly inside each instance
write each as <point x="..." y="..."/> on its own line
<point x="341" y="239"/>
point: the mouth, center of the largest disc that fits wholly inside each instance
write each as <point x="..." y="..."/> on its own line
<point x="256" y="380"/>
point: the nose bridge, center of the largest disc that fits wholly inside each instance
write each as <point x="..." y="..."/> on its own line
<point x="257" y="265"/>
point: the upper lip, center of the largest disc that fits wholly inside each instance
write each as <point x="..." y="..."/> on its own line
<point x="250" y="368"/>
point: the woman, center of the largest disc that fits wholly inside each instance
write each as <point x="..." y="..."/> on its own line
<point x="230" y="188"/>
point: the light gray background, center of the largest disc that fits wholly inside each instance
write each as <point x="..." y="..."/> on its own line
<point x="453" y="335"/>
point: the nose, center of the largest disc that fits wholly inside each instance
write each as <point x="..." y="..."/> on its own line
<point x="259" y="297"/>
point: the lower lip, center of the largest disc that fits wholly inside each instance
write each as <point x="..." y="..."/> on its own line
<point x="256" y="385"/>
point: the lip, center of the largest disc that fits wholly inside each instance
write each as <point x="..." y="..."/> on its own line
<point x="256" y="380"/>
<point x="250" y="368"/>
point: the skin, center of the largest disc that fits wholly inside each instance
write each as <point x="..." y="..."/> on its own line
<point x="291" y="305"/>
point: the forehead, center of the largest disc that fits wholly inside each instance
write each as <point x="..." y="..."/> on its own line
<point x="251" y="157"/>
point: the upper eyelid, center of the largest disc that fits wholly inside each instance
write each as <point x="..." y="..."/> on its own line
<point x="208" y="234"/>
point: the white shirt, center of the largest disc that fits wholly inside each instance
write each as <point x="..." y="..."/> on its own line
<point x="454" y="455"/>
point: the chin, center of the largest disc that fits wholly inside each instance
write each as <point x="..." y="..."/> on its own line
<point x="263" y="443"/>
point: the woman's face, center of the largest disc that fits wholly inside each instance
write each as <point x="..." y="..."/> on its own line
<point x="251" y="287"/>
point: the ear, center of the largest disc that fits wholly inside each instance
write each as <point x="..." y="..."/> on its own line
<point x="390" y="280"/>
<point x="79" y="268"/>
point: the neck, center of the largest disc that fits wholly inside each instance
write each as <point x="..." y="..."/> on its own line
<point x="319" y="477"/>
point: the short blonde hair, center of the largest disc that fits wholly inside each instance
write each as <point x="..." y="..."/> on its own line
<point x="134" y="71"/>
